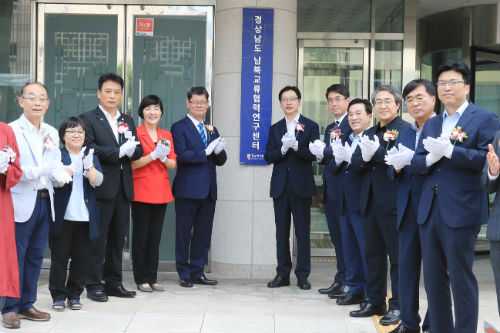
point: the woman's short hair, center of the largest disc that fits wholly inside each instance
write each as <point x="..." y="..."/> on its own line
<point x="147" y="101"/>
<point x="71" y="122"/>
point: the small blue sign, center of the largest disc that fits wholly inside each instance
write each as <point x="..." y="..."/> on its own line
<point x="256" y="84"/>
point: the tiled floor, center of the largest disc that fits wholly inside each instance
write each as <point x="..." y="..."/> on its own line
<point x="234" y="306"/>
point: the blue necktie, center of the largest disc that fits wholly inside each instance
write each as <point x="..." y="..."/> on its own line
<point x="202" y="133"/>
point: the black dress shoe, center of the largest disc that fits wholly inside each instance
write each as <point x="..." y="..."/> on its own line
<point x="363" y="302"/>
<point x="333" y="287"/>
<point x="369" y="310"/>
<point x="279" y="281"/>
<point x="303" y="284"/>
<point x="186" y="283"/>
<point x="119" y="291"/>
<point x="204" y="280"/>
<point x="402" y="329"/>
<point x="349" y="299"/>
<point x="342" y="292"/>
<point x="390" y="318"/>
<point x="97" y="295"/>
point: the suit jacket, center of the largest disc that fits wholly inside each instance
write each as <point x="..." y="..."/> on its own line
<point x="409" y="184"/>
<point x="376" y="185"/>
<point x="296" y="163"/>
<point x="493" y="186"/>
<point x="349" y="184"/>
<point x="196" y="176"/>
<point x="99" y="135"/>
<point x="24" y="193"/>
<point x="330" y="179"/>
<point x="462" y="197"/>
<point x="62" y="195"/>
<point x="152" y="182"/>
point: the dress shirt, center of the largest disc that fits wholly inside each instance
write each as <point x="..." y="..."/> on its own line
<point x="76" y="209"/>
<point x="355" y="140"/>
<point x="290" y="124"/>
<point x="113" y="121"/>
<point x="196" y="122"/>
<point x="341" y="118"/>
<point x="449" y="122"/>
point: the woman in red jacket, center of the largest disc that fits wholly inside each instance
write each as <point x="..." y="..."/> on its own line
<point x="152" y="192"/>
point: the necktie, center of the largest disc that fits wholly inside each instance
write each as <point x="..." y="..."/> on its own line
<point x="202" y="133"/>
<point x="335" y="125"/>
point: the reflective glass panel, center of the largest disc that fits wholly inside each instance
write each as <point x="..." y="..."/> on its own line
<point x="388" y="63"/>
<point x="389" y="16"/>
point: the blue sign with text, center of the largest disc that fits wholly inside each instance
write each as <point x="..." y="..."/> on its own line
<point x="256" y="84"/>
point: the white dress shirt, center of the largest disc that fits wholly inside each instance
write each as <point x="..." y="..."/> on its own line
<point x="196" y="122"/>
<point x="113" y="121"/>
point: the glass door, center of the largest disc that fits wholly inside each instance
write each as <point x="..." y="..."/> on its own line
<point x="321" y="64"/>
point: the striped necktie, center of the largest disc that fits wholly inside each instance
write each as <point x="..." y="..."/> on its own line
<point x="202" y="133"/>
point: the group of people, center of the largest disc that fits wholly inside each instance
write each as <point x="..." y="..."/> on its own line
<point x="395" y="195"/>
<point x="78" y="197"/>
<point x="410" y="193"/>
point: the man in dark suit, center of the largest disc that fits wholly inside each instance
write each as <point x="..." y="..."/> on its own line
<point x="292" y="186"/>
<point x="349" y="185"/>
<point x="451" y="153"/>
<point x="112" y="136"/>
<point x="378" y="206"/>
<point x="420" y="97"/>
<point x="337" y="96"/>
<point x="199" y="150"/>
<point x="492" y="181"/>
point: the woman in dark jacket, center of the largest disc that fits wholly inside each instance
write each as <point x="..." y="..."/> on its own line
<point x="77" y="220"/>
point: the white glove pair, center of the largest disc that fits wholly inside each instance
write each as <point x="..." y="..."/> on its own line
<point x="317" y="147"/>
<point x="341" y="153"/>
<point x="437" y="148"/>
<point x="128" y="147"/>
<point x="211" y="146"/>
<point x="368" y="147"/>
<point x="60" y="175"/>
<point x="220" y="146"/>
<point x="399" y="157"/>
<point x="77" y="164"/>
<point x="289" y="141"/>
<point x="4" y="161"/>
<point x="161" y="151"/>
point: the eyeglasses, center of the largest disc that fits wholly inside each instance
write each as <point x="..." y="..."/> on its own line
<point x="198" y="102"/>
<point x="411" y="100"/>
<point x="291" y="100"/>
<point x="33" y="100"/>
<point x="75" y="132"/>
<point x="451" y="84"/>
<point x="387" y="101"/>
<point x="335" y="100"/>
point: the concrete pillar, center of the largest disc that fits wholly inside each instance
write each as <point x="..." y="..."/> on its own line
<point x="243" y="238"/>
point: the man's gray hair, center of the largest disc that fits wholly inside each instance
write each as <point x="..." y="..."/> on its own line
<point x="391" y="90"/>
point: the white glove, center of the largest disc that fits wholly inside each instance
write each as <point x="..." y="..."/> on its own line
<point x="220" y="146"/>
<point x="77" y="164"/>
<point x="160" y="151"/>
<point x="317" y="147"/>
<point x="368" y="147"/>
<point x="128" y="148"/>
<point x="48" y="167"/>
<point x="4" y="161"/>
<point x="398" y="158"/>
<point x="341" y="153"/>
<point x="211" y="146"/>
<point x="288" y="141"/>
<point x="440" y="146"/>
<point x="88" y="161"/>
<point x="60" y="175"/>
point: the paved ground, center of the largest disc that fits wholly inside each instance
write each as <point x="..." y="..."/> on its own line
<point x="233" y="306"/>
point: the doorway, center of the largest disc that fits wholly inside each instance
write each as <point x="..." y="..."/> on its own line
<point x="321" y="64"/>
<point x="161" y="50"/>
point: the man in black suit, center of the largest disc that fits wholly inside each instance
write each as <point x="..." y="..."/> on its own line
<point x="292" y="186"/>
<point x="337" y="96"/>
<point x="112" y="136"/>
<point x="378" y="205"/>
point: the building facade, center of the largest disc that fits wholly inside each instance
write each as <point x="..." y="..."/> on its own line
<point x="363" y="44"/>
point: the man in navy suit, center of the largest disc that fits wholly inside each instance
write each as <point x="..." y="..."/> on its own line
<point x="349" y="185"/>
<point x="337" y="96"/>
<point x="199" y="149"/>
<point x="111" y="134"/>
<point x="451" y="153"/>
<point x="378" y="206"/>
<point x="292" y="186"/>
<point x="420" y="97"/>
